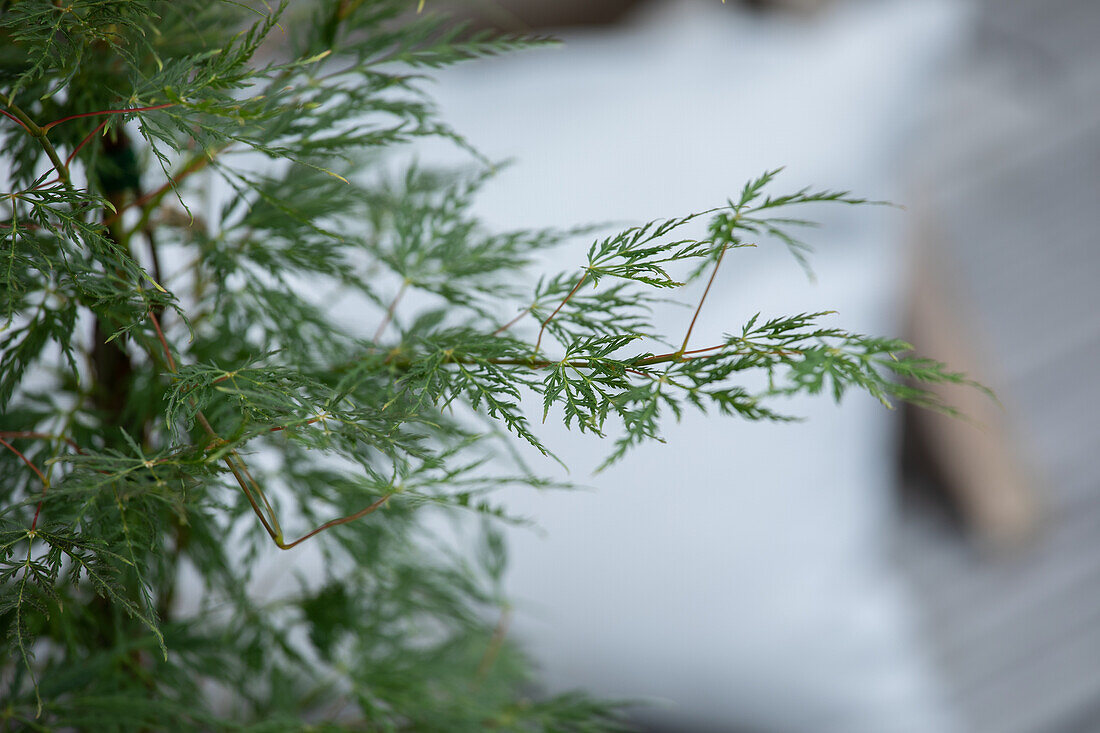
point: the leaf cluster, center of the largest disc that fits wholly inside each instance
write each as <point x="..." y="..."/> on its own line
<point x="186" y="386"/>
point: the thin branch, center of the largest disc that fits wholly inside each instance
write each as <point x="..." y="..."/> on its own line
<point x="534" y="363"/>
<point x="701" y="351"/>
<point x="588" y="364"/>
<point x="295" y="425"/>
<point x="495" y="644"/>
<point x="84" y="142"/>
<point x="44" y="184"/>
<point x="14" y="434"/>
<point x="698" y="308"/>
<point x="238" y="467"/>
<point x="49" y="125"/>
<point x="647" y="361"/>
<point x="221" y="441"/>
<point x="149" y="201"/>
<point x="263" y="497"/>
<point x="247" y="492"/>
<point x="45" y="481"/>
<point x="10" y="116"/>
<point x="228" y="460"/>
<point x="335" y="523"/>
<point x="389" y="311"/>
<point x="513" y="322"/>
<point x="560" y="306"/>
<point x="164" y="344"/>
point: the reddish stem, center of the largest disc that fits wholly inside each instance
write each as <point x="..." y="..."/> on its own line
<point x="512" y="322"/>
<point x="210" y="430"/>
<point x="72" y="155"/>
<point x="698" y="308"/>
<point x="560" y="306"/>
<point x="45" y="481"/>
<point x="18" y="121"/>
<point x="195" y="165"/>
<point x="84" y="142"/>
<point x="163" y="341"/>
<point x="46" y="127"/>
<point x="307" y="422"/>
<point x="700" y="351"/>
<point x="335" y="522"/>
<point x="40" y="436"/>
<point x="648" y="361"/>
<point x="241" y="467"/>
<point x="215" y="443"/>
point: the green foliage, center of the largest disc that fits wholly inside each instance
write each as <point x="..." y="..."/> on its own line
<point x="174" y="385"/>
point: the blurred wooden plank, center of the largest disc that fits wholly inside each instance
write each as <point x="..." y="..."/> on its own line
<point x="1010" y="182"/>
<point x="976" y="456"/>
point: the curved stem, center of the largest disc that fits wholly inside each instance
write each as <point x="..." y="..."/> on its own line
<point x="334" y="523"/>
<point x="228" y="460"/>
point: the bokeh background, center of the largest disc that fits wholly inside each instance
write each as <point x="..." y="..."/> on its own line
<point x="863" y="570"/>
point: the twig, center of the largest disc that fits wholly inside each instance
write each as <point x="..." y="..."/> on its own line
<point x="10" y="116"/>
<point x="389" y="311"/>
<point x="238" y="467"/>
<point x="41" y="132"/>
<point x="587" y="364"/>
<point x="149" y="200"/>
<point x="84" y="142"/>
<point x="263" y="497"/>
<point x="49" y="125"/>
<point x="40" y="436"/>
<point x="560" y="306"/>
<point x="45" y="481"/>
<point x="164" y="343"/>
<point x="296" y="425"/>
<point x="513" y="322"/>
<point x="495" y="644"/>
<point x="210" y="431"/>
<point x="698" y="308"/>
<point x="700" y="351"/>
<point x="335" y="522"/>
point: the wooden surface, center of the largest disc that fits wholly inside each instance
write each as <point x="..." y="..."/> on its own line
<point x="522" y="16"/>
